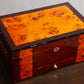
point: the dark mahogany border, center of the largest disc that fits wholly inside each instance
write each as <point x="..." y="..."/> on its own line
<point x="13" y="47"/>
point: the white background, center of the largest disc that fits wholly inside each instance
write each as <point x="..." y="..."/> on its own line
<point x="13" y="6"/>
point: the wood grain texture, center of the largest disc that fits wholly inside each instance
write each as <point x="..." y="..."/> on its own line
<point x="41" y="40"/>
<point x="45" y="58"/>
<point x="26" y="63"/>
<point x="80" y="50"/>
<point x="67" y="18"/>
<point x="42" y="24"/>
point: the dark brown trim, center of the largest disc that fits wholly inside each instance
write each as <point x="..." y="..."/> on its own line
<point x="43" y="8"/>
<point x="75" y="11"/>
<point x="15" y="66"/>
<point x="34" y="10"/>
<point x="39" y="42"/>
<point x="6" y="36"/>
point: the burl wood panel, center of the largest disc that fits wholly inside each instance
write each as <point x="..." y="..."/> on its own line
<point x="42" y="24"/>
<point x="26" y="63"/>
<point x="22" y="64"/>
<point x="45" y="58"/>
<point x="80" y="51"/>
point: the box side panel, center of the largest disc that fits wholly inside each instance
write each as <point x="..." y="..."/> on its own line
<point x="5" y="55"/>
<point x="40" y="59"/>
<point x="26" y="63"/>
<point x="22" y="64"/>
<point x="55" y="55"/>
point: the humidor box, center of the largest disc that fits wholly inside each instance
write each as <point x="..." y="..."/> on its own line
<point x="36" y="41"/>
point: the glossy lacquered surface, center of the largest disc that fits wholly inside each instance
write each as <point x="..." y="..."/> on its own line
<point x="48" y="57"/>
<point x="41" y="24"/>
<point x="28" y="35"/>
<point x="63" y="43"/>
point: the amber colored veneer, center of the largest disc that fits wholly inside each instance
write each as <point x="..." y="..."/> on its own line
<point x="42" y="24"/>
<point x="80" y="50"/>
<point x="41" y="40"/>
<point x="26" y="63"/>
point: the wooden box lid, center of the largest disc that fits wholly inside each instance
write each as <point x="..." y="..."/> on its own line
<point x="39" y="26"/>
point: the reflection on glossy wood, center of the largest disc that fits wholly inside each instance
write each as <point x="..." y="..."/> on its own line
<point x="46" y="53"/>
<point x="45" y="58"/>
